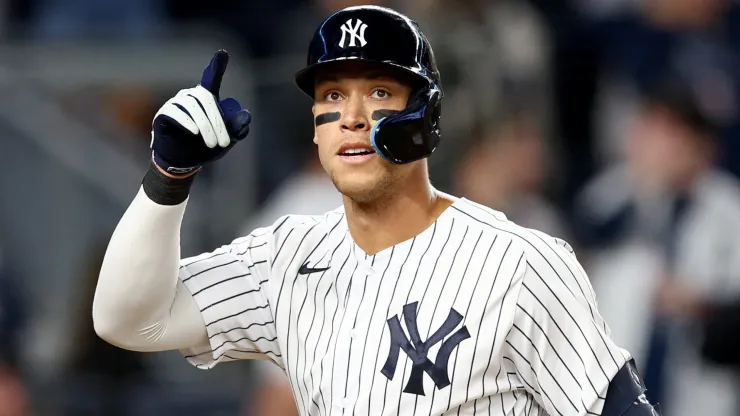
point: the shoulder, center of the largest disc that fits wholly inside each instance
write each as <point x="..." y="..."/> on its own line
<point x="547" y="272"/>
<point x="546" y="261"/>
<point x="293" y="230"/>
<point x="533" y="243"/>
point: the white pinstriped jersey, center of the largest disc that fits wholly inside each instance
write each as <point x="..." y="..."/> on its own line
<point x="473" y="316"/>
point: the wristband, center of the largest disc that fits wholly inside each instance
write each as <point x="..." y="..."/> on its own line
<point x="164" y="190"/>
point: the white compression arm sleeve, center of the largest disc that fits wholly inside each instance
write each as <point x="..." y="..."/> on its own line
<point x="140" y="303"/>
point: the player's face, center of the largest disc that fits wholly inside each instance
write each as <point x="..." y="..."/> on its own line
<point x="346" y="99"/>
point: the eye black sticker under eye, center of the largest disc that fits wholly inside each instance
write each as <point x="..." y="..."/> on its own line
<point x="327" y="118"/>
<point x="381" y="114"/>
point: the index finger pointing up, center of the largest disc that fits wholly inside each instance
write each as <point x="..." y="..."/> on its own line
<point x="214" y="72"/>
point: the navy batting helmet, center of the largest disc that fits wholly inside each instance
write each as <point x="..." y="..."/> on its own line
<point x="384" y="36"/>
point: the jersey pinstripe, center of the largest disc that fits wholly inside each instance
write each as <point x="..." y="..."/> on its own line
<point x="473" y="316"/>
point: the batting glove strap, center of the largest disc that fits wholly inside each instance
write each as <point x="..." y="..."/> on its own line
<point x="164" y="190"/>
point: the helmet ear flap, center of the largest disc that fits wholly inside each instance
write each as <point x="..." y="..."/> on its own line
<point x="410" y="134"/>
<point x="434" y="113"/>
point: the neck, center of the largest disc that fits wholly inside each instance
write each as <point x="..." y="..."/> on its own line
<point x="686" y="184"/>
<point x="395" y="218"/>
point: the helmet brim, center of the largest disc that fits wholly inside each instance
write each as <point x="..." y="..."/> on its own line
<point x="305" y="79"/>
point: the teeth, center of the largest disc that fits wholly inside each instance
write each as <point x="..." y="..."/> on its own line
<point x="356" y="151"/>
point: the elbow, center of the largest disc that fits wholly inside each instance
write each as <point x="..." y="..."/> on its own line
<point x="111" y="328"/>
<point x="114" y="332"/>
<point x="110" y="315"/>
<point x="106" y="325"/>
<point x="104" y="332"/>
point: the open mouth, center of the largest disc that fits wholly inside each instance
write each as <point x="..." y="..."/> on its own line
<point x="356" y="152"/>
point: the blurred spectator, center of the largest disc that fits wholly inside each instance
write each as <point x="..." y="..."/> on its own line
<point x="697" y="39"/>
<point x="507" y="169"/>
<point x="606" y="53"/>
<point x="493" y="57"/>
<point x="101" y="379"/>
<point x="93" y="19"/>
<point x="667" y="224"/>
<point x="14" y="399"/>
<point x="308" y="192"/>
<point x="722" y="328"/>
<point x="274" y="396"/>
<point x="16" y="14"/>
<point x="252" y="23"/>
<point x="131" y="109"/>
<point x="12" y="318"/>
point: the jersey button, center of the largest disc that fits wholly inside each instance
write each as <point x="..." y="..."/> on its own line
<point x="345" y="403"/>
<point x="353" y="333"/>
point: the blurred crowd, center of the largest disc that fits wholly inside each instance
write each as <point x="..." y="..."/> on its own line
<point x="612" y="124"/>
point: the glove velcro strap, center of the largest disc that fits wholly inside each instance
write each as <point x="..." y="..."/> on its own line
<point x="165" y="190"/>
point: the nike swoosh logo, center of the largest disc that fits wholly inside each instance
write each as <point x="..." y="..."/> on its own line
<point x="305" y="269"/>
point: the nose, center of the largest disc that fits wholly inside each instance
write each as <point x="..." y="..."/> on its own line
<point x="354" y="117"/>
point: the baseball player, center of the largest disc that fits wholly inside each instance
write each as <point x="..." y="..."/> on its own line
<point x="404" y="301"/>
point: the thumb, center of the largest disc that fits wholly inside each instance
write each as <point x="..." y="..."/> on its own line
<point x="214" y="72"/>
<point x="236" y="118"/>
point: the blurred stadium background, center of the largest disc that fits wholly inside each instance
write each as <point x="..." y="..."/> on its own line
<point x="610" y="123"/>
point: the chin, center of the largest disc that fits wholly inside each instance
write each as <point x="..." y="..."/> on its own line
<point x="363" y="189"/>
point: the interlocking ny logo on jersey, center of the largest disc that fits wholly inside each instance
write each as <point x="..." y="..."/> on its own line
<point x="351" y="31"/>
<point x="417" y="350"/>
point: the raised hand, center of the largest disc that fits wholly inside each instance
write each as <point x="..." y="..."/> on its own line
<point x="195" y="127"/>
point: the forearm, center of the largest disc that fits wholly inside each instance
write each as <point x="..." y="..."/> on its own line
<point x="137" y="303"/>
<point x="140" y="304"/>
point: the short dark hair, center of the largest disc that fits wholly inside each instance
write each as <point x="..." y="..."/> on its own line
<point x="681" y="101"/>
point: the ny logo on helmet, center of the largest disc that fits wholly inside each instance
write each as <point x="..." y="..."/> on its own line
<point x="352" y="31"/>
